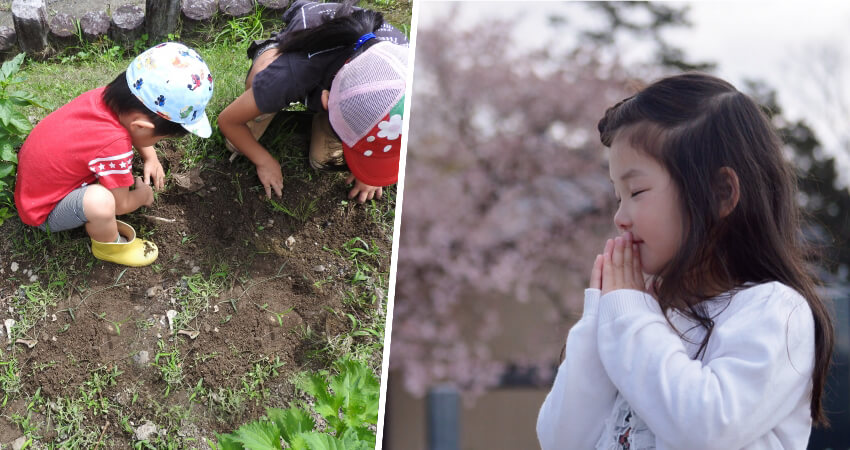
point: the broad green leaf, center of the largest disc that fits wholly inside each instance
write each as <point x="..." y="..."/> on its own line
<point x="320" y="441"/>
<point x="297" y="442"/>
<point x="259" y="436"/>
<point x="23" y="98"/>
<point x="326" y="404"/>
<point x="20" y="122"/>
<point x="5" y="113"/>
<point x="6" y="169"/>
<point x="11" y="66"/>
<point x="7" y="152"/>
<point x="360" y="389"/>
<point x="291" y="421"/>
<point x="353" y="439"/>
<point x="227" y="442"/>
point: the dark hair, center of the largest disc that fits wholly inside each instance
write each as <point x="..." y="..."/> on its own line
<point x="343" y="30"/>
<point x="121" y="100"/>
<point x="695" y="124"/>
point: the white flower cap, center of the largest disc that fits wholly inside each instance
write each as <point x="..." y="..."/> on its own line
<point x="365" y="107"/>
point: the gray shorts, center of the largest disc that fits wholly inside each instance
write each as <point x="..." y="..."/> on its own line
<point x="68" y="213"/>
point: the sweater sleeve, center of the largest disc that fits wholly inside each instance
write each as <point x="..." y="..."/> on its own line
<point x="756" y="370"/>
<point x="574" y="412"/>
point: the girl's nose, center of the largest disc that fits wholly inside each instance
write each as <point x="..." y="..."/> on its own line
<point x="622" y="220"/>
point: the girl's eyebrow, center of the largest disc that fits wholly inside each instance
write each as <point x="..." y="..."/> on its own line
<point x="631" y="173"/>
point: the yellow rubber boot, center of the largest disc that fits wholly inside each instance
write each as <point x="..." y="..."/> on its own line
<point x="134" y="252"/>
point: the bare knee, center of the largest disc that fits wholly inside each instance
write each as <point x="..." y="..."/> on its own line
<point x="98" y="203"/>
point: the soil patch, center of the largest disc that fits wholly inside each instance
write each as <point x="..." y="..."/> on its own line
<point x="255" y="286"/>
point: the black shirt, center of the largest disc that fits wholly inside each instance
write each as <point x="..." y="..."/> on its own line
<point x="301" y="76"/>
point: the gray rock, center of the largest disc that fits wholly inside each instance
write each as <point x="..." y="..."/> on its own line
<point x="18" y="443"/>
<point x="95" y="24"/>
<point x="200" y="9"/>
<point x="141" y="358"/>
<point x="145" y="431"/>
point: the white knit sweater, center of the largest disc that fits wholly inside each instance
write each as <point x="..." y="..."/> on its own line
<point x="751" y="389"/>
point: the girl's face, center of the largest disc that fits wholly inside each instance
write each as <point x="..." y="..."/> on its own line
<point x="649" y="204"/>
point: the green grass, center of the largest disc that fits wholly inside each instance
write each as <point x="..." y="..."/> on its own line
<point x="170" y="366"/>
<point x="301" y="212"/>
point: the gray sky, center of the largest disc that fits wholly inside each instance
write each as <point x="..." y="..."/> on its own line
<point x="785" y="43"/>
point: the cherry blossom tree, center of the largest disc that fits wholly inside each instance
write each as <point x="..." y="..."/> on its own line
<point x="506" y="193"/>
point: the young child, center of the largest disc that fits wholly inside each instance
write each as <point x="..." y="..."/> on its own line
<point x="75" y="167"/>
<point x="349" y="68"/>
<point x="727" y="344"/>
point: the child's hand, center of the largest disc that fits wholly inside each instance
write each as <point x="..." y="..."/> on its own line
<point x="143" y="192"/>
<point x="271" y="177"/>
<point x="621" y="267"/>
<point x="596" y="273"/>
<point x="153" y="172"/>
<point x="362" y="190"/>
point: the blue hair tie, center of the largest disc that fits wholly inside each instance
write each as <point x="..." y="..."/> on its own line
<point x="363" y="40"/>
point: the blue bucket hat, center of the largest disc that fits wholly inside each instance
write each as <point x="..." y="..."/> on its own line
<point x="173" y="81"/>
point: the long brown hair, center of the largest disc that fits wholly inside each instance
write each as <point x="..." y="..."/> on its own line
<point x="695" y="124"/>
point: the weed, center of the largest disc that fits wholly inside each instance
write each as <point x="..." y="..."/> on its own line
<point x="195" y="294"/>
<point x="171" y="367"/>
<point x="301" y="212"/>
<point x="32" y="308"/>
<point x="115" y="323"/>
<point x="10" y="379"/>
<point x="347" y="402"/>
<point x="102" y="52"/>
<point x="242" y="29"/>
<point x="278" y="315"/>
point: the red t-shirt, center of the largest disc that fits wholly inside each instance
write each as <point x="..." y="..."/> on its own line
<point x="78" y="144"/>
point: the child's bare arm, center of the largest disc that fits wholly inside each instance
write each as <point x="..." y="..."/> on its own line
<point x="128" y="201"/>
<point x="153" y="170"/>
<point x="232" y="122"/>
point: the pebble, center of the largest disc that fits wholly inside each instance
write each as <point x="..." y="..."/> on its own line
<point x="14" y="267"/>
<point x="33" y="278"/>
<point x="290" y="242"/>
<point x="141" y="358"/>
<point x="319" y="268"/>
<point x="196" y="269"/>
<point x="145" y="431"/>
<point x="18" y="443"/>
<point x="152" y="291"/>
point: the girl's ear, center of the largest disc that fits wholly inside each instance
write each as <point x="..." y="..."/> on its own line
<point x="727" y="190"/>
<point x="325" y="95"/>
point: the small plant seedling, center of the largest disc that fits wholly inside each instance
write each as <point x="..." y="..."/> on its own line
<point x="116" y="324"/>
<point x="278" y="315"/>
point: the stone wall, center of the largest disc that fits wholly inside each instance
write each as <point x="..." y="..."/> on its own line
<point x="39" y="29"/>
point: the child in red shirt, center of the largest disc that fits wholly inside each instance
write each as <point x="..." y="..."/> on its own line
<point x="75" y="167"/>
